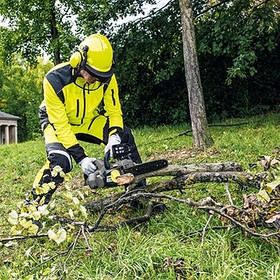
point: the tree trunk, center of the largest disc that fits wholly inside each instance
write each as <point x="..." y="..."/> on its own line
<point x="200" y="130"/>
<point x="54" y="35"/>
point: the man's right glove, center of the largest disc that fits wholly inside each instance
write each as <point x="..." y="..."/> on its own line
<point x="114" y="139"/>
<point x="87" y="165"/>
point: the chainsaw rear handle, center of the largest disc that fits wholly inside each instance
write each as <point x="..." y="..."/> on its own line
<point x="120" y="152"/>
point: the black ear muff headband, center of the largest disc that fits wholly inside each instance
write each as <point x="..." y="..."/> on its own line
<point x="84" y="60"/>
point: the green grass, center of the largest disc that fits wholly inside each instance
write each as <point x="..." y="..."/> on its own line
<point x="141" y="252"/>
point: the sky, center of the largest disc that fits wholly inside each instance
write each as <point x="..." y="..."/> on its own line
<point x="147" y="9"/>
<point x="2" y="23"/>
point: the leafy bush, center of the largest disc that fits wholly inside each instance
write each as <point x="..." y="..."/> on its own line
<point x="21" y="88"/>
<point x="237" y="45"/>
<point x="237" y="48"/>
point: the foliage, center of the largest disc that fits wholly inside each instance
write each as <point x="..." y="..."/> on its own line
<point x="48" y="26"/>
<point x="7" y="45"/>
<point x="249" y="27"/>
<point x="238" y="62"/>
<point x="150" y="69"/>
<point x="237" y="44"/>
<point x="40" y="26"/>
<point x="101" y="16"/>
<point x="159" y="249"/>
<point x="21" y="94"/>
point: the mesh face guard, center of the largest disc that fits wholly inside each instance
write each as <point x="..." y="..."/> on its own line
<point x="101" y="79"/>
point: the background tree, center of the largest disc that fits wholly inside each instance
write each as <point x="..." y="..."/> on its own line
<point x="21" y="94"/>
<point x="40" y="27"/>
<point x="237" y="48"/>
<point x="56" y="27"/>
<point x="238" y="42"/>
<point x="200" y="130"/>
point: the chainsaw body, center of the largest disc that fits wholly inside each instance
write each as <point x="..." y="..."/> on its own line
<point x="107" y="172"/>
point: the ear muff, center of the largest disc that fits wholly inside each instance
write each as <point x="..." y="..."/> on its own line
<point x="76" y="59"/>
<point x="79" y="59"/>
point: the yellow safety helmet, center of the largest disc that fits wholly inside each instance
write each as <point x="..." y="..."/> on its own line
<point x="95" y="55"/>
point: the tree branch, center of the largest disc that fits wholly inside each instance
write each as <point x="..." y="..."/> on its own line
<point x="228" y="194"/>
<point x="188" y="178"/>
<point x="209" y="228"/>
<point x="22" y="237"/>
<point x="205" y="228"/>
<point x="178" y="170"/>
<point x="277" y="3"/>
<point x="211" y="7"/>
<point x="130" y="222"/>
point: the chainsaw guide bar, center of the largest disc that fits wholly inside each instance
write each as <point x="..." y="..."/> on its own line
<point x="147" y="167"/>
<point x="122" y="172"/>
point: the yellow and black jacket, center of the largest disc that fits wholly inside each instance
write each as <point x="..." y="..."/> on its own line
<point x="71" y="106"/>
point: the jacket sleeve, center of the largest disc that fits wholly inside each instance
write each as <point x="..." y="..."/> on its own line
<point x="112" y="106"/>
<point x="58" y="119"/>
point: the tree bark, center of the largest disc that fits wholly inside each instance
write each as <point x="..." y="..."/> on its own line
<point x="201" y="134"/>
<point x="178" y="170"/>
<point x="54" y="34"/>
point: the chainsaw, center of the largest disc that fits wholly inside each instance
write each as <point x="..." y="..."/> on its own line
<point x="122" y="171"/>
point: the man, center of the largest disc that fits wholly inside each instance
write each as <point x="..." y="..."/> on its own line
<point x="70" y="111"/>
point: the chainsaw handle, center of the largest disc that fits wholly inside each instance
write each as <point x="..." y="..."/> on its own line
<point x="107" y="160"/>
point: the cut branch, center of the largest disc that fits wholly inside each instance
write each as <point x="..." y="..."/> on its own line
<point x="186" y="176"/>
<point x="228" y="194"/>
<point x="205" y="228"/>
<point x="241" y="178"/>
<point x="177" y="170"/>
<point x="22" y="237"/>
<point x="130" y="222"/>
<point x="228" y="227"/>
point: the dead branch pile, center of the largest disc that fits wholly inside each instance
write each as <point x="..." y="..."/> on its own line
<point x="258" y="215"/>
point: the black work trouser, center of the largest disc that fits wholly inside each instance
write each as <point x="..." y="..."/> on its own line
<point x="59" y="163"/>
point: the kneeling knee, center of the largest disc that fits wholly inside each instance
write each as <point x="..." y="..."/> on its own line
<point x="60" y="158"/>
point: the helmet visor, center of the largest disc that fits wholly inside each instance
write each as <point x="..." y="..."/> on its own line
<point x="101" y="76"/>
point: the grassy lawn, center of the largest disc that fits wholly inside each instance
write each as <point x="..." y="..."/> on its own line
<point x="161" y="248"/>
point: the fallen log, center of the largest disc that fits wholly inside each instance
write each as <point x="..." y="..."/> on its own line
<point x="187" y="175"/>
<point x="178" y="170"/>
<point x="258" y="215"/>
<point x="241" y="178"/>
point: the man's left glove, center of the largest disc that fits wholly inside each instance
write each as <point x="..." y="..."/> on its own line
<point x="88" y="165"/>
<point x="114" y="139"/>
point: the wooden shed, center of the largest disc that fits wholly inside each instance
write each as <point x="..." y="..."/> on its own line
<point x="8" y="128"/>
